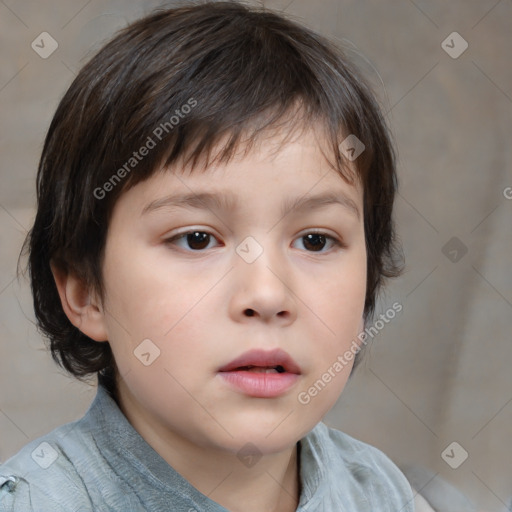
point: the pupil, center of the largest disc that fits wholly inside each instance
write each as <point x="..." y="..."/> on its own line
<point x="197" y="239"/>
<point x="315" y="238"/>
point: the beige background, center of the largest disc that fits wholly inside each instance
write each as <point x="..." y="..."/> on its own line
<point x="440" y="371"/>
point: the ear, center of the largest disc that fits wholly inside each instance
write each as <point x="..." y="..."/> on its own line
<point x="81" y="306"/>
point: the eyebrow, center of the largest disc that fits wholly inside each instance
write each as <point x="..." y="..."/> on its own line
<point x="228" y="201"/>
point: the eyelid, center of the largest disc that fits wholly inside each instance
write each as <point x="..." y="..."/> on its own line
<point x="335" y="239"/>
<point x="328" y="234"/>
<point x="179" y="235"/>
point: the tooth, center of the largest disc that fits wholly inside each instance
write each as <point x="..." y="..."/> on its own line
<point x="262" y="370"/>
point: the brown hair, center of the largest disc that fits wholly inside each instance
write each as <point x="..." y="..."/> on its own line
<point x="185" y="78"/>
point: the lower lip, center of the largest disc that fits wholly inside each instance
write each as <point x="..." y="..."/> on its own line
<point x="261" y="385"/>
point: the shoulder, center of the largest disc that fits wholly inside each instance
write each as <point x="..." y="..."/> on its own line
<point x="42" y="476"/>
<point x="369" y="471"/>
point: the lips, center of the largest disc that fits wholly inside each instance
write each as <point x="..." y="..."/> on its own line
<point x="261" y="374"/>
<point x="260" y="361"/>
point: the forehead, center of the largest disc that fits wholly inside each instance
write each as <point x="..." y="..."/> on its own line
<point x="289" y="137"/>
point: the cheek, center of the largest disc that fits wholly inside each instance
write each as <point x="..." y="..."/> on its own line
<point x="337" y="333"/>
<point x="153" y="329"/>
<point x="341" y="303"/>
<point x="149" y="300"/>
<point x="333" y="333"/>
<point x="142" y="293"/>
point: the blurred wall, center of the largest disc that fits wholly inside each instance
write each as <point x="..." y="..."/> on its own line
<point x="439" y="372"/>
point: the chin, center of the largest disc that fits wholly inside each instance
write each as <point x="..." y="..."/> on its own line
<point x="271" y="437"/>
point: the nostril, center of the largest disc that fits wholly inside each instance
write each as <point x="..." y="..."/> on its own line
<point x="249" y="312"/>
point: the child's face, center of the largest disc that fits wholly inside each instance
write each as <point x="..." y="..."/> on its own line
<point x="193" y="298"/>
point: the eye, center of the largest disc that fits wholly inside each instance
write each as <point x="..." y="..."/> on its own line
<point x="195" y="240"/>
<point x="316" y="241"/>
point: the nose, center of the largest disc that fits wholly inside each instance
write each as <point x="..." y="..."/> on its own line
<point x="263" y="290"/>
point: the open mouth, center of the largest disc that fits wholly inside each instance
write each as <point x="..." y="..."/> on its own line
<point x="259" y="361"/>
<point x="261" y="369"/>
<point x="261" y="374"/>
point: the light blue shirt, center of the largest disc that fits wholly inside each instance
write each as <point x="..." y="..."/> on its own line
<point x="101" y="463"/>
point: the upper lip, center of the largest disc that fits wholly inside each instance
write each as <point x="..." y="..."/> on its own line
<point x="263" y="359"/>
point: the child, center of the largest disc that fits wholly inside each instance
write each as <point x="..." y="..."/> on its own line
<point x="214" y="223"/>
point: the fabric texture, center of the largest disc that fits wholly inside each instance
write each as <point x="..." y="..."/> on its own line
<point x="101" y="463"/>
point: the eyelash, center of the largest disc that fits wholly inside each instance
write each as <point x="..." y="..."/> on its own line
<point x="335" y="241"/>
